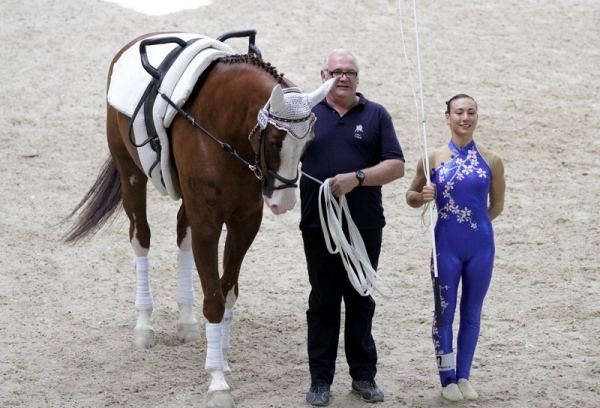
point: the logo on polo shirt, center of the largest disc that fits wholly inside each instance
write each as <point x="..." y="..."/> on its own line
<point x="358" y="131"/>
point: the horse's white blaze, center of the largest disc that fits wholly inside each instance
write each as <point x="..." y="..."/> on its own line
<point x="283" y="200"/>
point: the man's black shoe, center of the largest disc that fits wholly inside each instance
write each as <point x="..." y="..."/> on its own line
<point x="368" y="390"/>
<point x="318" y="395"/>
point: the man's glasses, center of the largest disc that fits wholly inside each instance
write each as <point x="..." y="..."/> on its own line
<point x="339" y="74"/>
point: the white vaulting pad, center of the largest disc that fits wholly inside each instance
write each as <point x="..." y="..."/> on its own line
<point x="129" y="81"/>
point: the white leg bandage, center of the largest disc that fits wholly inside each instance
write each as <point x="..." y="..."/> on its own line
<point x="143" y="298"/>
<point x="226" y="328"/>
<point x="214" y="352"/>
<point x="185" y="286"/>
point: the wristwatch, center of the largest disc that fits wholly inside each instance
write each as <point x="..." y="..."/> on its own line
<point x="361" y="177"/>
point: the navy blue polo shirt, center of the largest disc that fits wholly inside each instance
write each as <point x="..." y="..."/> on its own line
<point x="362" y="138"/>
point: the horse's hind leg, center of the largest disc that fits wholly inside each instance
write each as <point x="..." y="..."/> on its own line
<point x="133" y="190"/>
<point x="134" y="203"/>
<point x="187" y="326"/>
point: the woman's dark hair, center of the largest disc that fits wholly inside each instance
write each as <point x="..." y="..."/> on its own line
<point x="459" y="96"/>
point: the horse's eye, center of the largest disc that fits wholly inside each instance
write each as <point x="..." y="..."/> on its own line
<point x="276" y="145"/>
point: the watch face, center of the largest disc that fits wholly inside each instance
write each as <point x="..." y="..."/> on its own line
<point x="360" y="176"/>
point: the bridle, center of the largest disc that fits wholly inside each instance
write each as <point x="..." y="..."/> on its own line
<point x="265" y="117"/>
<point x="260" y="168"/>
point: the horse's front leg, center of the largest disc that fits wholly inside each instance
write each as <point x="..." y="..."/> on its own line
<point x="205" y="245"/>
<point x="240" y="235"/>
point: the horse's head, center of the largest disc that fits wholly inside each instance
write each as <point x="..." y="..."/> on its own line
<point x="288" y="121"/>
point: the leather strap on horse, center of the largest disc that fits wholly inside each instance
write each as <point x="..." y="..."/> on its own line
<point x="152" y="90"/>
<point x="228" y="149"/>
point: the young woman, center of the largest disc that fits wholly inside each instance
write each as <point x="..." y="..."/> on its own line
<point x="467" y="184"/>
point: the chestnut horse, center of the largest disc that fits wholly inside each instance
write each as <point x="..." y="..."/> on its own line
<point x="236" y="141"/>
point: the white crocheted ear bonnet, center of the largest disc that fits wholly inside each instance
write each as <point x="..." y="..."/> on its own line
<point x="294" y="117"/>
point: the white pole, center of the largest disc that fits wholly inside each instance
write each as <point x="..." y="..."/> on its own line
<point x="427" y="170"/>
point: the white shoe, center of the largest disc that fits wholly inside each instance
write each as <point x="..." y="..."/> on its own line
<point x="452" y="393"/>
<point x="466" y="389"/>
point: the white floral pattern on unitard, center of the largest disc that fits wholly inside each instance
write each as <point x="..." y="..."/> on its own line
<point x="457" y="173"/>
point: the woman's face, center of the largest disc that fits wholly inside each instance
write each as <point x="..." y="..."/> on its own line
<point x="462" y="117"/>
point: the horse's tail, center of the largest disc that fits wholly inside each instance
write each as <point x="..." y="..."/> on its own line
<point x="100" y="203"/>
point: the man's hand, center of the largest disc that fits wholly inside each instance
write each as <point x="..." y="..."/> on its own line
<point x="343" y="183"/>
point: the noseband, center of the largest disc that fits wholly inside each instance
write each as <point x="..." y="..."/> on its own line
<point x="266" y="118"/>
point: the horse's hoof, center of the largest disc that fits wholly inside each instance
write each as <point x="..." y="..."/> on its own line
<point x="188" y="333"/>
<point x="229" y="379"/>
<point x="220" y="399"/>
<point x="143" y="339"/>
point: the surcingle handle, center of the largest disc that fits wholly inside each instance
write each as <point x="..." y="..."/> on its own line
<point x="155" y="41"/>
<point x="251" y="34"/>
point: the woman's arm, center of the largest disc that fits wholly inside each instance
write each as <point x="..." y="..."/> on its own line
<point x="497" y="188"/>
<point x="419" y="193"/>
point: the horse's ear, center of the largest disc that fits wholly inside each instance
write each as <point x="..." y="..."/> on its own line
<point x="277" y="100"/>
<point x="318" y="95"/>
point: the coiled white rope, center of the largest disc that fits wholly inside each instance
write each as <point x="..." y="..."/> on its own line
<point x="354" y="255"/>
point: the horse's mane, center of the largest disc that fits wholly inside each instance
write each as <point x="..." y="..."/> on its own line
<point x="254" y="60"/>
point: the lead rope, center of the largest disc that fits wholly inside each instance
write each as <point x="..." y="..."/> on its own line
<point x="354" y="256"/>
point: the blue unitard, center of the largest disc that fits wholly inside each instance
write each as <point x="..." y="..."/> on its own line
<point x="465" y="246"/>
